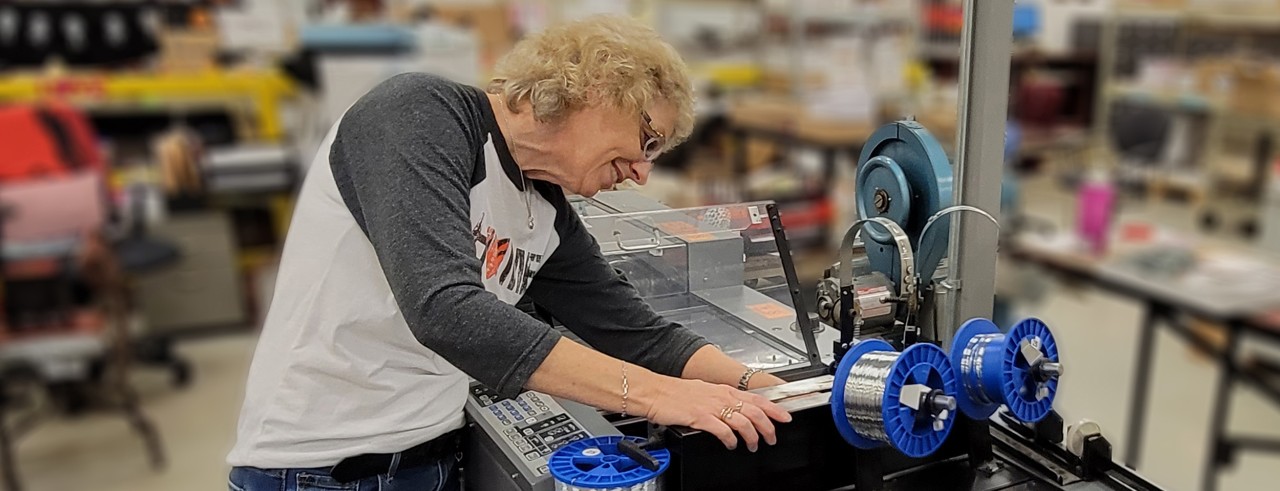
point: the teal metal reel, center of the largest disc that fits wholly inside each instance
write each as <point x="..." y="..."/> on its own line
<point x="904" y="176"/>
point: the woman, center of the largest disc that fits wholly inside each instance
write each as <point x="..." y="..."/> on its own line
<point x="431" y="209"/>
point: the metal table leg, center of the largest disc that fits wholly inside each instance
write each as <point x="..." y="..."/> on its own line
<point x="1142" y="383"/>
<point x="1221" y="406"/>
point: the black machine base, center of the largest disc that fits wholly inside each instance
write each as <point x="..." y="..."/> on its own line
<point x="810" y="455"/>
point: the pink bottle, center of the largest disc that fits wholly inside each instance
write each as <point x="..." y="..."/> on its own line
<point x="1096" y="202"/>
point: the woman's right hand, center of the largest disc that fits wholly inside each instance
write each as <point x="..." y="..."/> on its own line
<point x="699" y="405"/>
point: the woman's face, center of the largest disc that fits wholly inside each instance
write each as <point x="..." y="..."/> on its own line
<point x="600" y="147"/>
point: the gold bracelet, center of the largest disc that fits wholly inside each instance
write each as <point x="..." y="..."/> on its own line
<point x="746" y="377"/>
<point x="625" y="389"/>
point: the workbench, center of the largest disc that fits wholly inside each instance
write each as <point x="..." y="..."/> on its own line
<point x="1240" y="301"/>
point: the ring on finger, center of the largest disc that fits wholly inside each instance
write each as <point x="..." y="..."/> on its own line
<point x="728" y="411"/>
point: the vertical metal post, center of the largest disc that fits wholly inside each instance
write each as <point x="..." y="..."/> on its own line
<point x="986" y="47"/>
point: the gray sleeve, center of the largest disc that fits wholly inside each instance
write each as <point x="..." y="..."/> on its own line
<point x="581" y="290"/>
<point x="403" y="159"/>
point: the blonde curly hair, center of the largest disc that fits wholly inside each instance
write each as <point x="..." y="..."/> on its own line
<point x="600" y="59"/>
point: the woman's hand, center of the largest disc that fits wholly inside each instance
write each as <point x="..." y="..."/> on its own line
<point x="699" y="405"/>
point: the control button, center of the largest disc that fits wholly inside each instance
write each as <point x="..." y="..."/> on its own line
<point x="486" y="400"/>
<point x="543" y="449"/>
<point x="530" y="456"/>
<point x="530" y="421"/>
<point x="512" y="431"/>
<point x="528" y="431"/>
<point x="524" y="447"/>
<point x="542" y="470"/>
<point x="571" y="427"/>
<point x="494" y="409"/>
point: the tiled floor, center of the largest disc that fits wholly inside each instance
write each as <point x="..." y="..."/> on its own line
<point x="1097" y="333"/>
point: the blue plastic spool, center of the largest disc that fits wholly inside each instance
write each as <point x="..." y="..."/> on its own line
<point x="596" y="463"/>
<point x="919" y="364"/>
<point x="1004" y="376"/>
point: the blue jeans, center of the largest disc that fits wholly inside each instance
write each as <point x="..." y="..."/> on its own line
<point x="440" y="475"/>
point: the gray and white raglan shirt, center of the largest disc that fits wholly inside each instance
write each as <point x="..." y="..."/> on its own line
<point x="409" y="246"/>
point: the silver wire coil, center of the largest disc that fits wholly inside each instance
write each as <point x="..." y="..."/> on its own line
<point x="650" y="485"/>
<point x="971" y="365"/>
<point x="864" y="393"/>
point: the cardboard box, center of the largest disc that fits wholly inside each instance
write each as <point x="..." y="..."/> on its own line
<point x="940" y="121"/>
<point x="1246" y="87"/>
<point x="1214" y="77"/>
<point x="492" y="24"/>
<point x="1257" y="89"/>
<point x="188" y="51"/>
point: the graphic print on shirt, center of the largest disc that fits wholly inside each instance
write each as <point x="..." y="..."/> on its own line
<point x="519" y="269"/>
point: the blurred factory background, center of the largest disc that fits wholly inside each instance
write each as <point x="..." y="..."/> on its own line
<point x="1141" y="137"/>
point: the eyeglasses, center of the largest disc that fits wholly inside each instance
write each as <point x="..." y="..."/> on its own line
<point x="650" y="139"/>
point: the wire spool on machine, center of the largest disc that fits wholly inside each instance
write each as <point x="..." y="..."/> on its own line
<point x="599" y="464"/>
<point x="1019" y="370"/>
<point x="880" y="396"/>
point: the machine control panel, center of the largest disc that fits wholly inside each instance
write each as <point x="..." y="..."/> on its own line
<point x="534" y="424"/>
<point x="530" y="427"/>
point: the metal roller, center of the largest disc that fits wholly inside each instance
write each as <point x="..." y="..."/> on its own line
<point x="880" y="396"/>
<point x="1019" y="370"/>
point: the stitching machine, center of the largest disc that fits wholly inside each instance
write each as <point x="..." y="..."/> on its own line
<point x="886" y="408"/>
<point x="917" y="391"/>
